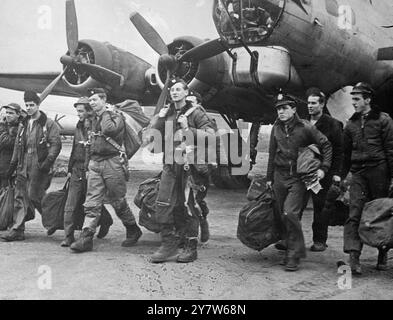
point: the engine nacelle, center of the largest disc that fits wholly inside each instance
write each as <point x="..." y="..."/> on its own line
<point x="132" y="68"/>
<point x="205" y="76"/>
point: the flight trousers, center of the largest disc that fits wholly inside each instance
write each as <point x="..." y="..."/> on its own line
<point x="289" y="192"/>
<point x="367" y="184"/>
<point x="106" y="181"/>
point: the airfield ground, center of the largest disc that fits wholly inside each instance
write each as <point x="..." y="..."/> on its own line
<point x="225" y="268"/>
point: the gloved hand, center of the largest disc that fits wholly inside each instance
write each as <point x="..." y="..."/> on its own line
<point x="163" y="112"/>
<point x="321" y="174"/>
<point x="336" y="180"/>
<point x="269" y="185"/>
<point x="45" y="166"/>
<point x="183" y="121"/>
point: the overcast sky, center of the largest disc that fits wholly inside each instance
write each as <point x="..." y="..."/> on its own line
<point x="32" y="32"/>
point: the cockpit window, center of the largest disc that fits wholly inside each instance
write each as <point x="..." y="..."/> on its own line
<point x="251" y="20"/>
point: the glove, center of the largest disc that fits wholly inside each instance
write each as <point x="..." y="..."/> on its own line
<point x="269" y="185"/>
<point x="336" y="180"/>
<point x="45" y="166"/>
<point x="163" y="112"/>
<point x="321" y="174"/>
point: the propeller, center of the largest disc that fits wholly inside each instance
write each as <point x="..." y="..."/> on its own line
<point x="50" y="87"/>
<point x="73" y="60"/>
<point x="170" y="62"/>
<point x="71" y="28"/>
<point x="300" y="4"/>
<point x="164" y="93"/>
<point x="148" y="33"/>
<point x="204" y="51"/>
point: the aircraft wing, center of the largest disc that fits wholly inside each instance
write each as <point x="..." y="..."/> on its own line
<point x="36" y="82"/>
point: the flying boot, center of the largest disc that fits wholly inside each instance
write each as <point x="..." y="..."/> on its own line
<point x="382" y="263"/>
<point x="204" y="225"/>
<point x="14" y="235"/>
<point x="189" y="253"/>
<point x="132" y="236"/>
<point x="69" y="239"/>
<point x="84" y="243"/>
<point x="105" y="222"/>
<point x="169" y="245"/>
<point x="354" y="262"/>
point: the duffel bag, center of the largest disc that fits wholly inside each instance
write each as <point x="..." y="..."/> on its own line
<point x="6" y="206"/>
<point x="376" y="224"/>
<point x="259" y="225"/>
<point x="145" y="188"/>
<point x="257" y="188"/>
<point x="145" y="199"/>
<point x="53" y="205"/>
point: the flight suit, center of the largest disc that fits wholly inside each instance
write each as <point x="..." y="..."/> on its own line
<point x="289" y="190"/>
<point x="8" y="132"/>
<point x="368" y="146"/>
<point x="175" y="206"/>
<point x="36" y="149"/>
<point x="77" y="166"/>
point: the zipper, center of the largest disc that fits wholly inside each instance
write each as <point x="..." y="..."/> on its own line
<point x="287" y="136"/>
<point x="252" y="211"/>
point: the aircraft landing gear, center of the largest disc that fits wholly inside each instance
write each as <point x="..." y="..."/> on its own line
<point x="223" y="175"/>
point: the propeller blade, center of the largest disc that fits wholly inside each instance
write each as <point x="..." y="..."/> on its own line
<point x="300" y="4"/>
<point x="50" y="87"/>
<point x="385" y="53"/>
<point x="148" y="33"/>
<point x="205" y="50"/>
<point x="164" y="93"/>
<point x="102" y="74"/>
<point x="71" y="27"/>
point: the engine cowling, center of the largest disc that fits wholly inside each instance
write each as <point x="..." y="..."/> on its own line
<point x="131" y="67"/>
<point x="205" y="76"/>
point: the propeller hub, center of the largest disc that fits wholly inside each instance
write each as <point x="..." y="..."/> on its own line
<point x="168" y="61"/>
<point x="67" y="60"/>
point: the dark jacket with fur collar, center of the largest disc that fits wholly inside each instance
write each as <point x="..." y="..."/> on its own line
<point x="287" y="139"/>
<point x="47" y="145"/>
<point x="333" y="130"/>
<point x="368" y="144"/>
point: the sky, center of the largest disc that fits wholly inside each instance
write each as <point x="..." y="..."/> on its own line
<point x="33" y="36"/>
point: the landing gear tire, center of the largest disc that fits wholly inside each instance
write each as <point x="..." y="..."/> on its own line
<point x="223" y="179"/>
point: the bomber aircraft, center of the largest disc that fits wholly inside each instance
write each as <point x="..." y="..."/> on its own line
<point x="264" y="47"/>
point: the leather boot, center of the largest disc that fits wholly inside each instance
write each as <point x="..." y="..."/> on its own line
<point x="168" y="248"/>
<point x="292" y="264"/>
<point x="68" y="241"/>
<point x="281" y="245"/>
<point x="354" y="262"/>
<point x="382" y="263"/>
<point x="105" y="222"/>
<point x="14" y="235"/>
<point x="133" y="235"/>
<point x="84" y="243"/>
<point x="189" y="254"/>
<point x="205" y="234"/>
